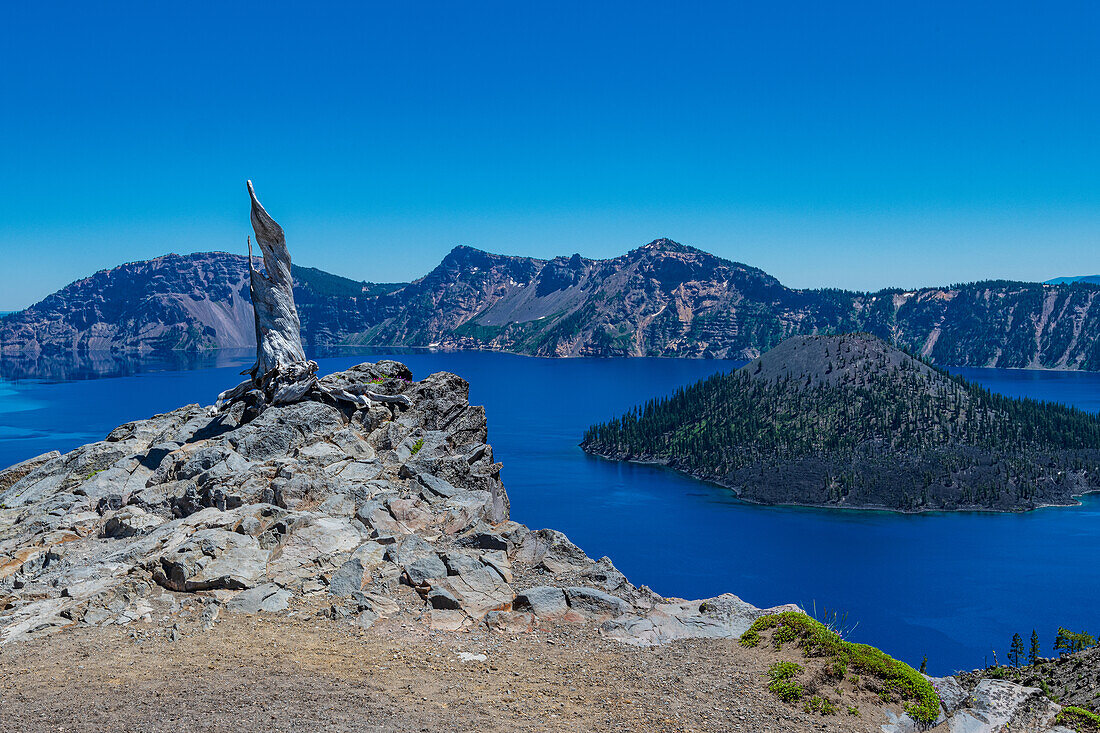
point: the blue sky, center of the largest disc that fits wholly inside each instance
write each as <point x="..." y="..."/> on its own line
<point x="856" y="145"/>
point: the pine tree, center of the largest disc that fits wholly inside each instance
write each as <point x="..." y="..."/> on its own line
<point x="1033" y="653"/>
<point x="1016" y="653"/>
<point x="924" y="664"/>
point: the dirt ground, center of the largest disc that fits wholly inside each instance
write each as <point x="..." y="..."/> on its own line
<point x="312" y="674"/>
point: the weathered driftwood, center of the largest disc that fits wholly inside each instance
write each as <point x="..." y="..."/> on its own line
<point x="282" y="374"/>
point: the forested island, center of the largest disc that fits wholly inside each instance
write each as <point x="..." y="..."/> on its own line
<point x="850" y="421"/>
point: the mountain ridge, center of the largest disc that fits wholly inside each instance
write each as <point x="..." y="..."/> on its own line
<point x="659" y="299"/>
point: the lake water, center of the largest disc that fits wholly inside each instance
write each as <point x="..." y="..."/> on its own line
<point x="952" y="586"/>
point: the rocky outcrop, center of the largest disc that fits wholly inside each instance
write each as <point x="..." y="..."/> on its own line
<point x="386" y="510"/>
<point x="989" y="706"/>
<point x="662" y="299"/>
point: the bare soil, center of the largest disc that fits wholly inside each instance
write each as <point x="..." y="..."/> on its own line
<point x="307" y="673"/>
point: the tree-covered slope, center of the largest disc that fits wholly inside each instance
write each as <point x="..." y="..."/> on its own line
<point x="851" y="421"/>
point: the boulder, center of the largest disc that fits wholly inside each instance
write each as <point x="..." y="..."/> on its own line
<point x="212" y="558"/>
<point x="723" y="617"/>
<point x="131" y="521"/>
<point x="347" y="579"/>
<point x="595" y="604"/>
<point x="544" y="601"/>
<point x="14" y="473"/>
<point x="424" y="569"/>
<point x="268" y="598"/>
<point x="478" y="591"/>
<point x="552" y="550"/>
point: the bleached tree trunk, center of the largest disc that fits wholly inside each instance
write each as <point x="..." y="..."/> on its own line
<point x="281" y="374"/>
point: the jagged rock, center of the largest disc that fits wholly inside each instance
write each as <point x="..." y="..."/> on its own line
<point x="544" y="601"/>
<point x="212" y="558"/>
<point x="595" y="604"/>
<point x="952" y="695"/>
<point x="478" y="591"/>
<point x="553" y="550"/>
<point x="268" y="597"/>
<point x="457" y="561"/>
<point x="347" y="579"/>
<point x="14" y="473"/>
<point x="131" y="521"/>
<point x="724" y="617"/>
<point x="311" y="546"/>
<point x="424" y="569"/>
<point x="606" y="575"/>
<point x="498" y="560"/>
<point x="991" y="706"/>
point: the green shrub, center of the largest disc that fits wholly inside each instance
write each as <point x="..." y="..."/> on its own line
<point x="417" y="446"/>
<point x="816" y="640"/>
<point x="1078" y="718"/>
<point x="787" y="690"/>
<point x="782" y="684"/>
<point x="853" y="710"/>
<point x="784" y="671"/>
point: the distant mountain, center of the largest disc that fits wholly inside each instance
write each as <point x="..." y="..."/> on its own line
<point x="1091" y="279"/>
<point x="850" y="421"/>
<point x="174" y="302"/>
<point x="663" y="299"/>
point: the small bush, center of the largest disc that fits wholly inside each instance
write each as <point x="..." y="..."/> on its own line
<point x="787" y="690"/>
<point x="1078" y="718"/>
<point x="782" y="684"/>
<point x="417" y="446"/>
<point x="816" y="640"/>
<point x="853" y="710"/>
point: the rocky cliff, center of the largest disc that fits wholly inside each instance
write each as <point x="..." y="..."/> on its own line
<point x="663" y="299"/>
<point x="307" y="499"/>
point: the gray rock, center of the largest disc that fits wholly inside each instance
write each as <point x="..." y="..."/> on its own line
<point x="436" y="485"/>
<point x="992" y="706"/>
<point x="426" y="568"/>
<point x="552" y="550"/>
<point x="458" y="561"/>
<point x="606" y="575"/>
<point x="478" y="591"/>
<point x="347" y="579"/>
<point x="409" y="549"/>
<point x="269" y="598"/>
<point x="544" y="601"/>
<point x="442" y="599"/>
<point x="723" y="617"/>
<point x="595" y="603"/>
<point x="210" y="559"/>
<point x="130" y="522"/>
<point x="14" y="473"/>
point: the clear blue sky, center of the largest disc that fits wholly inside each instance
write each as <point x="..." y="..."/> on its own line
<point x="856" y="145"/>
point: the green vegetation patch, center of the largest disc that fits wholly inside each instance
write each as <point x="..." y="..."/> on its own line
<point x="783" y="684"/>
<point x="1081" y="720"/>
<point x="894" y="678"/>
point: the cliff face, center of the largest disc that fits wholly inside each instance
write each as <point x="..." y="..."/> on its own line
<point x="663" y="299"/>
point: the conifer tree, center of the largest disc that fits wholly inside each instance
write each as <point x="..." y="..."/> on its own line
<point x="1033" y="653"/>
<point x="1016" y="653"/>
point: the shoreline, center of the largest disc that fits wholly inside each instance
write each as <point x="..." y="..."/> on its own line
<point x="831" y="507"/>
<point x="6" y="350"/>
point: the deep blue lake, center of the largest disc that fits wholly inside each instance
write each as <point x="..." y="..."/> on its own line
<point x="953" y="587"/>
